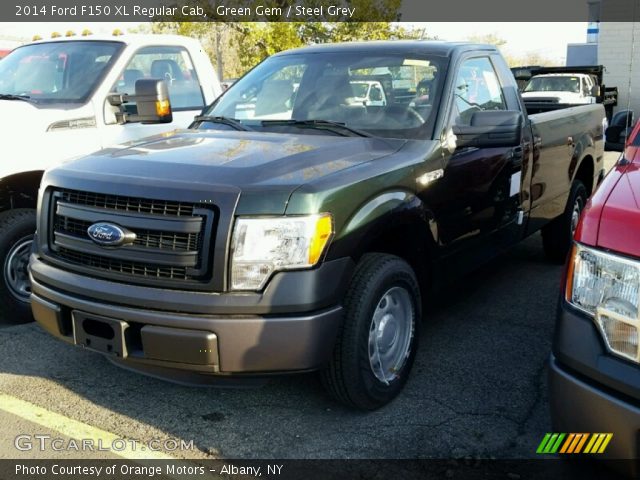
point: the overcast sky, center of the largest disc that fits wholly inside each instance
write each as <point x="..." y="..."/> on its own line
<point x="548" y="39"/>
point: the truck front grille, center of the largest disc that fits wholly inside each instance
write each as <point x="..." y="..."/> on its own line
<point x="169" y="247"/>
<point x="123" y="267"/>
<point x="180" y="242"/>
<point x="128" y="204"/>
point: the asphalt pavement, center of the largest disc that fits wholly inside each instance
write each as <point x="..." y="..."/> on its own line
<point x="478" y="387"/>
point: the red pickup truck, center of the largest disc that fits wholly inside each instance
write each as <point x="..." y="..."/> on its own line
<point x="595" y="364"/>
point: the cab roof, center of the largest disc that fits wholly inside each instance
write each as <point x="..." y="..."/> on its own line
<point x="136" y="40"/>
<point x="434" y="47"/>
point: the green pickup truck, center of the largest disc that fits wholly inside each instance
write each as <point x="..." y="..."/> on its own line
<point x="294" y="227"/>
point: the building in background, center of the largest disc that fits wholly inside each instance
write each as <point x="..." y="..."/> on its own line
<point x="616" y="45"/>
<point x="580" y="54"/>
<point x="619" y="52"/>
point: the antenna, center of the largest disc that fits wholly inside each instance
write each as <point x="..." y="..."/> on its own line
<point x="633" y="45"/>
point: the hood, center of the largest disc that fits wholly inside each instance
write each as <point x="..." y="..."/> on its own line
<point x="252" y="162"/>
<point x="28" y="143"/>
<point x="21" y="119"/>
<point x="620" y="218"/>
<point x="551" y="96"/>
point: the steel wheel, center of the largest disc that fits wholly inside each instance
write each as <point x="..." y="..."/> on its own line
<point x="390" y="334"/>
<point x="578" y="206"/>
<point x="16" y="274"/>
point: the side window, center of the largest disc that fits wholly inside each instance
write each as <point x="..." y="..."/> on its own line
<point x="172" y="64"/>
<point x="476" y="88"/>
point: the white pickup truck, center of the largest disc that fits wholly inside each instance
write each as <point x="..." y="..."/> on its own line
<point x="565" y="88"/>
<point x="54" y="107"/>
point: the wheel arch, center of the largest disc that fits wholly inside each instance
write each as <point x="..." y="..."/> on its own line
<point x="20" y="190"/>
<point x="586" y="173"/>
<point x="394" y="222"/>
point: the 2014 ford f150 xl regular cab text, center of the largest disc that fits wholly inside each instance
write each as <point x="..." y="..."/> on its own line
<point x="307" y="235"/>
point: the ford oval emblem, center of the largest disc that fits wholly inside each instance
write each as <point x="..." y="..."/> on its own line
<point x="110" y="235"/>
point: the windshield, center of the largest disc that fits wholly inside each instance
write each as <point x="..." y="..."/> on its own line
<point x="56" y="71"/>
<point x="337" y="87"/>
<point x="553" y="84"/>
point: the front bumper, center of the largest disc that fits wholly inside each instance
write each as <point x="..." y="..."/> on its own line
<point x="195" y="338"/>
<point x="592" y="391"/>
<point x="580" y="406"/>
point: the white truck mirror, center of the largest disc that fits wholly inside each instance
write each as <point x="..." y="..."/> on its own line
<point x="152" y="101"/>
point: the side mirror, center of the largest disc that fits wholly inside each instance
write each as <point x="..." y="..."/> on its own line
<point x="615" y="139"/>
<point x="152" y="102"/>
<point x="595" y="91"/>
<point x="491" y="128"/>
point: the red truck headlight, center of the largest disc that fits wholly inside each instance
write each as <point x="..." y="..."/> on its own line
<point x="607" y="287"/>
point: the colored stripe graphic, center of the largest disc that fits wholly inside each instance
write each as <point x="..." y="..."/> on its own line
<point x="582" y="442"/>
<point x="550" y="443"/>
<point x="596" y="445"/>
<point x="573" y="443"/>
<point x="543" y="443"/>
<point x="556" y="445"/>
<point x="567" y="443"/>
<point x="606" y="442"/>
<point x="590" y="444"/>
<point x="576" y="439"/>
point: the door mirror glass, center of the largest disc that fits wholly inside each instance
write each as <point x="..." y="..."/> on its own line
<point x="490" y="128"/>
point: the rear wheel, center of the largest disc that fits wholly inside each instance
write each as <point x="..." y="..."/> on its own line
<point x="17" y="228"/>
<point x="558" y="235"/>
<point x="376" y="346"/>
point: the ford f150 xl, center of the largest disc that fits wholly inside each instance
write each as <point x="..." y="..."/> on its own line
<point x="53" y="108"/>
<point x="308" y="236"/>
<point x="595" y="364"/>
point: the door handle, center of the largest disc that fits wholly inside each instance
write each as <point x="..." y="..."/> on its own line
<point x="517" y="154"/>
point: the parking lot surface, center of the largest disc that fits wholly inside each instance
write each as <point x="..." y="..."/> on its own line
<point x="478" y="386"/>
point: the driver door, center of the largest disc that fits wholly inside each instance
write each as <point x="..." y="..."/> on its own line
<point x="478" y="194"/>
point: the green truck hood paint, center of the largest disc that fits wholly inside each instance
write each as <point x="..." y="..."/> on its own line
<point x="265" y="167"/>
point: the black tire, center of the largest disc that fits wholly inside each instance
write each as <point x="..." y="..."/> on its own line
<point x="349" y="377"/>
<point x="17" y="228"/>
<point x="558" y="235"/>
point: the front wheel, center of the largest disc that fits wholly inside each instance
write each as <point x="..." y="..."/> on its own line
<point x="558" y="235"/>
<point x="17" y="228"/>
<point x="377" y="343"/>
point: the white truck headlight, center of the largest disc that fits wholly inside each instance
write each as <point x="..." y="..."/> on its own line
<point x="261" y="246"/>
<point x="607" y="287"/>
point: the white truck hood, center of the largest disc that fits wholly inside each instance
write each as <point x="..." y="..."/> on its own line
<point x="24" y="119"/>
<point x="29" y="146"/>
<point x="557" y="97"/>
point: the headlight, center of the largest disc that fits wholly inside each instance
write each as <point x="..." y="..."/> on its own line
<point x="262" y="246"/>
<point x="607" y="287"/>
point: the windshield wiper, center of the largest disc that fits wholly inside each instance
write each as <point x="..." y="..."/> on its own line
<point x="10" y="96"/>
<point x="336" y="127"/>
<point x="223" y="121"/>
